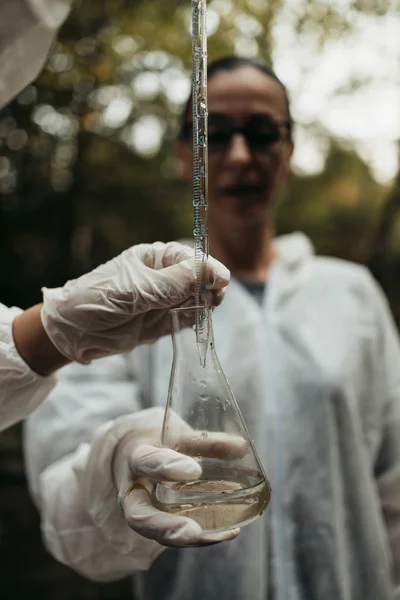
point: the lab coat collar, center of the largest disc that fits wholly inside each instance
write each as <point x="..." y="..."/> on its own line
<point x="293" y="250"/>
<point x="289" y="271"/>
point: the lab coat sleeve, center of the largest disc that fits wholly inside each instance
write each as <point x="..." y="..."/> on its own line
<point x="21" y="390"/>
<point x="90" y="537"/>
<point x="387" y="465"/>
<point x="27" y="31"/>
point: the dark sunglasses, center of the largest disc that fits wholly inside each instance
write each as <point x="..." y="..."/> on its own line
<point x="260" y="132"/>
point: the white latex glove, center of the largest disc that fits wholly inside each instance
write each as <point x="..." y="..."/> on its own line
<point x="27" y="31"/>
<point x="131" y="451"/>
<point x="126" y="301"/>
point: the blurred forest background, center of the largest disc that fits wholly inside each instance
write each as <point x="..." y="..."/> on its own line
<point x="87" y="169"/>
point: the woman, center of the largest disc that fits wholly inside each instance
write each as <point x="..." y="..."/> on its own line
<point x="312" y="355"/>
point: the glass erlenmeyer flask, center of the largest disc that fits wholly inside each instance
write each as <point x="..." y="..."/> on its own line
<point x="203" y="420"/>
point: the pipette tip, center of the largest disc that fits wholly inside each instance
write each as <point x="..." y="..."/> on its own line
<point x="202" y="346"/>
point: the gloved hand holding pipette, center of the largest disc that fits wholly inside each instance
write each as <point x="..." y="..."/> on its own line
<point x="119" y="305"/>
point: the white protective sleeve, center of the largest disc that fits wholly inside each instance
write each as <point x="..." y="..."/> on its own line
<point x="27" y="31"/>
<point x="107" y="551"/>
<point x="58" y="443"/>
<point x="21" y="390"/>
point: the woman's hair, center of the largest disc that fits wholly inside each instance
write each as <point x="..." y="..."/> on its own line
<point x="231" y="63"/>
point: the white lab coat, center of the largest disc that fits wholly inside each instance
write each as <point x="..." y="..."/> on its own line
<point x="27" y="31"/>
<point x="21" y="390"/>
<point x="316" y="372"/>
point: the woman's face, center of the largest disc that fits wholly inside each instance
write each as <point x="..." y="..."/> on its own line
<point x="246" y="168"/>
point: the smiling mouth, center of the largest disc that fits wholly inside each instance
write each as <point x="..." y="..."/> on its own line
<point x="241" y="191"/>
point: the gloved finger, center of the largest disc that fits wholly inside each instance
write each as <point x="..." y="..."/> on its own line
<point x="170" y="287"/>
<point x="162" y="464"/>
<point x="157" y="323"/>
<point x="174" y="253"/>
<point x="216" y="296"/>
<point x="214" y="272"/>
<point x="166" y="528"/>
<point x="159" y="255"/>
<point x="211" y="298"/>
<point x="216" y="275"/>
<point x="160" y="320"/>
<point x="211" y="445"/>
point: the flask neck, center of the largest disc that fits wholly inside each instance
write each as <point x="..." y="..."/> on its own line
<point x="192" y="332"/>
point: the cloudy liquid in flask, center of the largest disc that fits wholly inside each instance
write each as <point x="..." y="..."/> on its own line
<point x="223" y="498"/>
